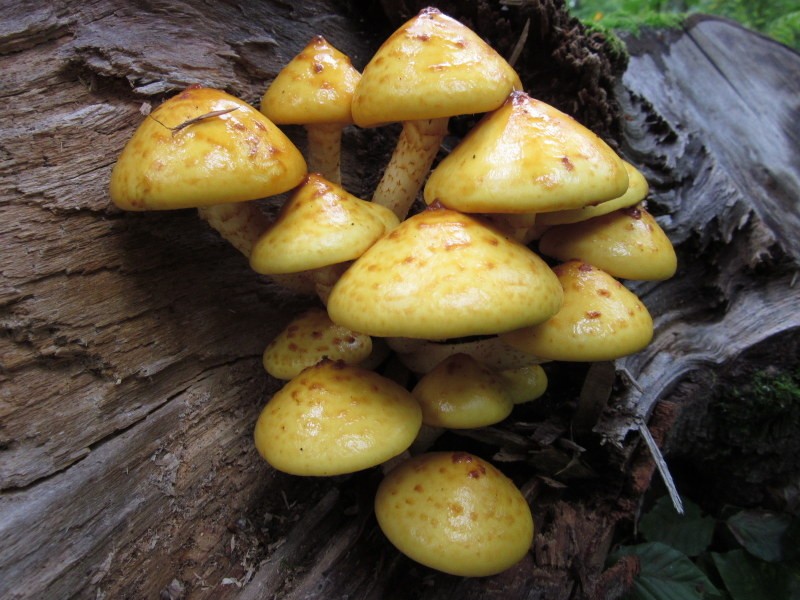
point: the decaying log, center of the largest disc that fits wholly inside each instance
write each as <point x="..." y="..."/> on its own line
<point x="130" y="347"/>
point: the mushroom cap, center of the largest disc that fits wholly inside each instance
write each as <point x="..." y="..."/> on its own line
<point x="636" y="192"/>
<point x="460" y="393"/>
<point x="599" y="320"/>
<point x="440" y="275"/>
<point x="524" y="384"/>
<point x="432" y="67"/>
<point x="333" y="419"/>
<point x="527" y="157"/>
<point x="232" y="157"/>
<point x="315" y="87"/>
<point x="319" y="225"/>
<point x="454" y="512"/>
<point x="626" y="243"/>
<point x="310" y="338"/>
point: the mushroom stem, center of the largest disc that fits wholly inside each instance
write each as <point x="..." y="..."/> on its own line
<point x="421" y="356"/>
<point x="412" y="158"/>
<point x="241" y="223"/>
<point x="324" y="150"/>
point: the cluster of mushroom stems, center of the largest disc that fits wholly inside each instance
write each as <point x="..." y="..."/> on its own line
<point x="454" y="292"/>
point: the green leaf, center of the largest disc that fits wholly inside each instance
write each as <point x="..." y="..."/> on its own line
<point x="747" y="578"/>
<point x="760" y="533"/>
<point x="689" y="533"/>
<point x="666" y="574"/>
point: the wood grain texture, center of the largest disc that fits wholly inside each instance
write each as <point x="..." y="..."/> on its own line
<point x="711" y="114"/>
<point x="130" y="345"/>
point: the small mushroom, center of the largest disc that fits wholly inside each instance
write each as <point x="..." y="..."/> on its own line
<point x="524" y="384"/>
<point x="460" y="393"/>
<point x="310" y="338"/>
<point x="600" y="320"/>
<point x="636" y="192"/>
<point x="319" y="230"/>
<point x="315" y="90"/>
<point x="454" y="512"/>
<point x="627" y="243"/>
<point x="206" y="149"/>
<point x="527" y="157"/>
<point x="430" y="69"/>
<point x="333" y="419"/>
<point x="421" y="281"/>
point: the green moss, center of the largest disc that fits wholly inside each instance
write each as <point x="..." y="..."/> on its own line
<point x="768" y="406"/>
<point x="634" y="24"/>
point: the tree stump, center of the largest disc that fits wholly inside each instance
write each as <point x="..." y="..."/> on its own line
<point x="131" y="344"/>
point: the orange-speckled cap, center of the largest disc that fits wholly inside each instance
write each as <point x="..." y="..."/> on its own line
<point x="599" y="320"/>
<point x="527" y="157"/>
<point x="460" y="393"/>
<point x="454" y="512"/>
<point x="333" y="419"/>
<point x="310" y="338"/>
<point x="636" y="192"/>
<point x="316" y="87"/>
<point x="190" y="152"/>
<point x="626" y="243"/>
<point x="320" y="225"/>
<point x="432" y="67"/>
<point x="441" y="274"/>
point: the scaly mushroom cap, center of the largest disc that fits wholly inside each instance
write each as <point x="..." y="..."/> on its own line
<point x="310" y="338"/>
<point x="454" y="512"/>
<point x="599" y="320"/>
<point x="460" y="393"/>
<point x="626" y="243"/>
<point x="432" y="67"/>
<point x="316" y="87"/>
<point x="524" y="384"/>
<point x="321" y="224"/>
<point x="441" y="274"/>
<point x="527" y="157"/>
<point x="218" y="158"/>
<point x="636" y="192"/>
<point x="333" y="419"/>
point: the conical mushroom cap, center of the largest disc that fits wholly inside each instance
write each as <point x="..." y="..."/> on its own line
<point x="524" y="384"/>
<point x="315" y="87"/>
<point x="321" y="224"/>
<point x="626" y="243"/>
<point x="636" y="192"/>
<point x="454" y="512"/>
<point x="432" y="67"/>
<point x="333" y="419"/>
<point x="174" y="162"/>
<point x="460" y="393"/>
<point x="441" y="274"/>
<point x="310" y="338"/>
<point x="599" y="320"/>
<point x="527" y="157"/>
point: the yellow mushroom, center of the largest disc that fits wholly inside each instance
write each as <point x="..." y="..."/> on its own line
<point x="627" y="243"/>
<point x="527" y="157"/>
<point x="315" y="90"/>
<point x="333" y="419"/>
<point x="319" y="230"/>
<point x="600" y="320"/>
<point x="310" y="338"/>
<point x="430" y="69"/>
<point x="440" y="275"/>
<point x="209" y="150"/>
<point x="460" y="393"/>
<point x="454" y="512"/>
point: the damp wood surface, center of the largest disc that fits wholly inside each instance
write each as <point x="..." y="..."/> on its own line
<point x="130" y="375"/>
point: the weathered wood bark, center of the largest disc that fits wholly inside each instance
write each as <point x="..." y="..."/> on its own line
<point x="130" y="347"/>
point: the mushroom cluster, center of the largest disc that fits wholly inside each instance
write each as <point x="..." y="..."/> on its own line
<point x="455" y="293"/>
